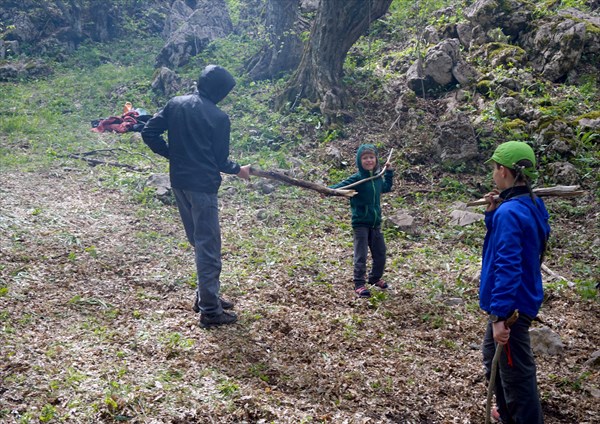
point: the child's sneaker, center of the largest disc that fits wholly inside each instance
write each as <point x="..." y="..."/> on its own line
<point x="381" y="284"/>
<point x="362" y="291"/>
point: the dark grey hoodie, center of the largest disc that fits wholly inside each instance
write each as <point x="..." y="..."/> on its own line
<point x="198" y="132"/>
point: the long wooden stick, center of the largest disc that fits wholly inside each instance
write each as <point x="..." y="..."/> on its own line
<point x="370" y="178"/>
<point x="272" y="175"/>
<point x="558" y="191"/>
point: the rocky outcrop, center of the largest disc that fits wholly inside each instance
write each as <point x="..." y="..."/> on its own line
<point x="59" y="27"/>
<point x="191" y="30"/>
<point x="554" y="44"/>
<point x="18" y="70"/>
<point x="456" y="143"/>
<point x="443" y="65"/>
<point x="556" y="47"/>
<point x="512" y="17"/>
<point x="167" y="83"/>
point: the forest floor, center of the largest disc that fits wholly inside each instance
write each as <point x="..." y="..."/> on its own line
<point x="96" y="289"/>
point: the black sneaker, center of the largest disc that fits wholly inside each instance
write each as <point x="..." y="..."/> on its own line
<point x="207" y="321"/>
<point x="225" y="304"/>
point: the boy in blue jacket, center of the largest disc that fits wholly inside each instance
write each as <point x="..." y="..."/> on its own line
<point x="366" y="218"/>
<point x="511" y="279"/>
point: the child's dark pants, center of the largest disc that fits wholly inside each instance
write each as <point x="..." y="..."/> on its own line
<point x="366" y="239"/>
<point x="516" y="386"/>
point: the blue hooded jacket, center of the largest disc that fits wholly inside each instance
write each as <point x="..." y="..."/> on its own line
<point x="365" y="204"/>
<point x="511" y="266"/>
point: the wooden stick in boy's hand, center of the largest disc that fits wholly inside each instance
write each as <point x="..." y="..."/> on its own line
<point x="272" y="175"/>
<point x="388" y="165"/>
<point x="558" y="191"/>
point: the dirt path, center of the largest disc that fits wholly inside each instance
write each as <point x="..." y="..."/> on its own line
<point x="97" y="326"/>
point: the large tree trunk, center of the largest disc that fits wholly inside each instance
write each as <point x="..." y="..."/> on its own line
<point x="337" y="26"/>
<point x="283" y="51"/>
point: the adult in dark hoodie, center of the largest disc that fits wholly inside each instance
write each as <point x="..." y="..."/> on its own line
<point x="366" y="218"/>
<point x="198" y="151"/>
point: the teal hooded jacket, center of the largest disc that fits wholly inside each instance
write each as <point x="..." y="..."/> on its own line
<point x="365" y="204"/>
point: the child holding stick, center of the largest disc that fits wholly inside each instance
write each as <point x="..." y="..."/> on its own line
<point x="511" y="279"/>
<point x="366" y="218"/>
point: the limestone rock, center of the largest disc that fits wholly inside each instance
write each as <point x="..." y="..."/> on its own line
<point x="508" y="107"/>
<point x="402" y="221"/>
<point x="556" y="47"/>
<point x="463" y="217"/>
<point x="166" y="82"/>
<point x="545" y="342"/>
<point x="564" y="173"/>
<point x="456" y="143"/>
<point x="594" y="361"/>
<point x="208" y="21"/>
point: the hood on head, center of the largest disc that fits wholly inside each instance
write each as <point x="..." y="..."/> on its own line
<point x="215" y="83"/>
<point x="361" y="150"/>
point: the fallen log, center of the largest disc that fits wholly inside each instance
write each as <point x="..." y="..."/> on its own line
<point x="556" y="191"/>
<point x="272" y="175"/>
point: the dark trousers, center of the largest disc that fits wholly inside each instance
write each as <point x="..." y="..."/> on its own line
<point x="200" y="215"/>
<point x="366" y="239"/>
<point x="516" y="386"/>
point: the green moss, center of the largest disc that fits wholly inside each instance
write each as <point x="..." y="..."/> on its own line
<point x="595" y="114"/>
<point x="545" y="122"/>
<point x="504" y="54"/>
<point x="515" y="124"/>
<point x="484" y="87"/>
<point x="591" y="28"/>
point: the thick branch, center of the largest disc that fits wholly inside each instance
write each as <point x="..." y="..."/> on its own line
<point x="558" y="191"/>
<point x="272" y="175"/>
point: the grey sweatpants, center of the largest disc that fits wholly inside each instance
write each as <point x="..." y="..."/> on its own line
<point x="200" y="215"/>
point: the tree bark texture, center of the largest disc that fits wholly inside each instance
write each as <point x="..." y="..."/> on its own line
<point x="283" y="51"/>
<point x="337" y="26"/>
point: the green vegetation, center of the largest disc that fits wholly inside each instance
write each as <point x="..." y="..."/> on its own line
<point x="97" y="277"/>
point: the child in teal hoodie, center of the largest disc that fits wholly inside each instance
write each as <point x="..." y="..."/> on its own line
<point x="366" y="218"/>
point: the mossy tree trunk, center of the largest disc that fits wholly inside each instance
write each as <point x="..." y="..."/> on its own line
<point x="284" y="48"/>
<point x="337" y="26"/>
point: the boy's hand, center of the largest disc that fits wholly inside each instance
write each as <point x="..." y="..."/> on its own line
<point x="493" y="200"/>
<point x="501" y="332"/>
<point x="244" y="172"/>
<point x="388" y="166"/>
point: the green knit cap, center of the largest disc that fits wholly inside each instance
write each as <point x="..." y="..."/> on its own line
<point x="509" y="153"/>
